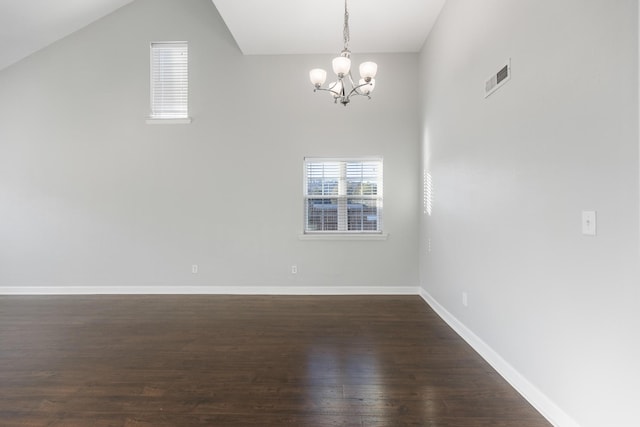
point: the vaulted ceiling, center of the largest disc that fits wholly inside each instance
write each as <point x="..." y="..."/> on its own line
<point x="271" y="27"/>
<point x="27" y="26"/>
<point x="260" y="27"/>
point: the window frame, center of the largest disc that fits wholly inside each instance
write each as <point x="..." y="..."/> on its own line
<point x="154" y="117"/>
<point x="342" y="216"/>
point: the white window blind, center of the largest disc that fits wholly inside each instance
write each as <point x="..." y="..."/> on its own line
<point x="169" y="80"/>
<point x="343" y="195"/>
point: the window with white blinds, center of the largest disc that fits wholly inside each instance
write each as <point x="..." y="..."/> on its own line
<point x="169" y="80"/>
<point x="343" y="195"/>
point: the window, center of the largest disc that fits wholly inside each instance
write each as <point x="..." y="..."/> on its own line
<point x="170" y="82"/>
<point x="343" y="195"/>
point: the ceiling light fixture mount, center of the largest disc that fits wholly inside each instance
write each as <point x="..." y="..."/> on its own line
<point x="342" y="68"/>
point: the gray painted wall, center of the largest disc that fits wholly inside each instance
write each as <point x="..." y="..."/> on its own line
<point x="93" y="196"/>
<point x="511" y="175"/>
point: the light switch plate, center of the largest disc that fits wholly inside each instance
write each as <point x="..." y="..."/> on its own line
<point x="589" y="223"/>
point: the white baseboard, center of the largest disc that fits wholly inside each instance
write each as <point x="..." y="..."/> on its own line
<point x="208" y="290"/>
<point x="531" y="393"/>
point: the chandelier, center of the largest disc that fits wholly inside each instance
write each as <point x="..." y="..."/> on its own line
<point x="342" y="67"/>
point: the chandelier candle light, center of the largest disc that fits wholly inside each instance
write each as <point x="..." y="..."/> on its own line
<point x="342" y="68"/>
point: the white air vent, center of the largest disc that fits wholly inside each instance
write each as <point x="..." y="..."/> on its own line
<point x="498" y="80"/>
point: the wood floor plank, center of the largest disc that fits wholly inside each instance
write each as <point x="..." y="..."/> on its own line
<point x="349" y="361"/>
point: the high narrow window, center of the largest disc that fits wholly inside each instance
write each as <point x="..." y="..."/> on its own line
<point x="170" y="81"/>
<point x="343" y="195"/>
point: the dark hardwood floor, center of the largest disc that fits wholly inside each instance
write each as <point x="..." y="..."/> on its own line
<point x="243" y="361"/>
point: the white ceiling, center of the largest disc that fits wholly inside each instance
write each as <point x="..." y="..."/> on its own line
<point x="260" y="27"/>
<point x="29" y="25"/>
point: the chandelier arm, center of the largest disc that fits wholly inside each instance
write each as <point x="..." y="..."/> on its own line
<point x="355" y="91"/>
<point x="328" y="90"/>
<point x="351" y="79"/>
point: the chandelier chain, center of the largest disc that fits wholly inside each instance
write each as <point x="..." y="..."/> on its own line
<point x="346" y="27"/>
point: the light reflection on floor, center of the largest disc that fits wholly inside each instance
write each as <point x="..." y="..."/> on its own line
<point x="353" y="366"/>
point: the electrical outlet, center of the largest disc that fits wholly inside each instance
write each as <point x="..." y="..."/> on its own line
<point x="194" y="268"/>
<point x="294" y="269"/>
<point x="465" y="299"/>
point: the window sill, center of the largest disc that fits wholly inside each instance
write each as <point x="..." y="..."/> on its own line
<point x="151" y="121"/>
<point x="343" y="236"/>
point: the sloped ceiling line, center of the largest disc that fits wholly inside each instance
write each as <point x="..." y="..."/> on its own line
<point x="260" y="27"/>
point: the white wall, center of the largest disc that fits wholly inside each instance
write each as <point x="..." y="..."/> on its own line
<point x="511" y="175"/>
<point x="92" y="196"/>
